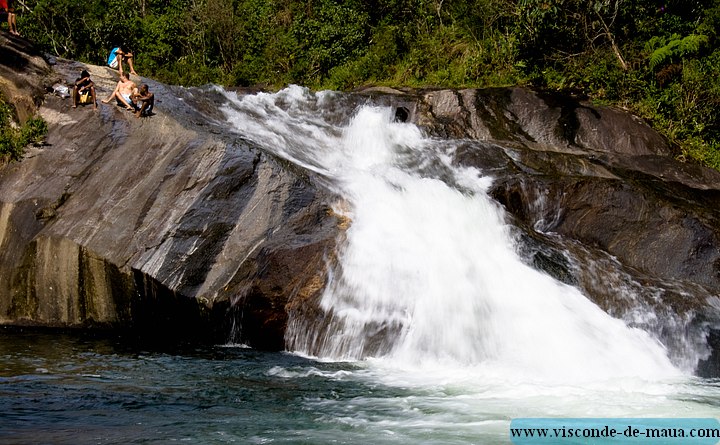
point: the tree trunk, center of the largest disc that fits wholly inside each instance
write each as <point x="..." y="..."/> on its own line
<point x="615" y="48"/>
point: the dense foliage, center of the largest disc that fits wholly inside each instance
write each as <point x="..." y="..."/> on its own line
<point x="659" y="59"/>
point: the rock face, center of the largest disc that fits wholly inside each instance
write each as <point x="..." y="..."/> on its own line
<point x="604" y="178"/>
<point x="596" y="186"/>
<point x="23" y="73"/>
<point x="173" y="224"/>
<point x="166" y="224"/>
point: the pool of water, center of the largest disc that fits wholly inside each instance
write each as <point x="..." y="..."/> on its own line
<point x="61" y="388"/>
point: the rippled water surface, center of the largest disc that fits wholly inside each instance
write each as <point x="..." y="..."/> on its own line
<point x="69" y="389"/>
<point x="76" y="389"/>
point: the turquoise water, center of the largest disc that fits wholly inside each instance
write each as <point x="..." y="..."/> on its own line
<point x="78" y="389"/>
<point x="66" y="389"/>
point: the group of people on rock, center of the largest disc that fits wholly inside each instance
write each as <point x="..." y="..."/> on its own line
<point x="138" y="100"/>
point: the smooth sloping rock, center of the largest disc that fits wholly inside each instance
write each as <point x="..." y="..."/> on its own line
<point x="168" y="223"/>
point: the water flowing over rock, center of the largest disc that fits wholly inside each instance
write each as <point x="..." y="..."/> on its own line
<point x="597" y="186"/>
<point x="177" y="224"/>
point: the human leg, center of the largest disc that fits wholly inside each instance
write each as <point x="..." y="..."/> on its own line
<point x="94" y="98"/>
<point x="120" y="99"/>
<point x="129" y="58"/>
<point x="120" y="63"/>
<point x="150" y="104"/>
<point x="147" y="106"/>
<point x="126" y="100"/>
<point x="115" y="93"/>
<point x="109" y="98"/>
<point x="12" y="25"/>
<point x="12" y="17"/>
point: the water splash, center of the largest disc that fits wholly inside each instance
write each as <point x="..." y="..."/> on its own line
<point x="429" y="275"/>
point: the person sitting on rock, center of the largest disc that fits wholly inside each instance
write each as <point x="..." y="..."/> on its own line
<point x="116" y="58"/>
<point x="84" y="90"/>
<point x="123" y="93"/>
<point x="148" y="101"/>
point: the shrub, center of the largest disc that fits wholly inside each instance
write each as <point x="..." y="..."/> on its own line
<point x="14" y="139"/>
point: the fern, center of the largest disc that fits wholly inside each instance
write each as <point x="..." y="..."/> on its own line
<point x="692" y="44"/>
<point x="654" y="43"/>
<point x="660" y="55"/>
<point x="665" y="50"/>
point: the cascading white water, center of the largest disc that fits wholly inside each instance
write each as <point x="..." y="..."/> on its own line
<point x="429" y="275"/>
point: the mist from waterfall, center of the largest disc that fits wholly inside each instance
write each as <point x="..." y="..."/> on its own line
<point x="428" y="277"/>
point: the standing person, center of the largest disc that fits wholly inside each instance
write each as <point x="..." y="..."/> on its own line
<point x="147" y="98"/>
<point x="7" y="6"/>
<point x="84" y="86"/>
<point x="12" y="26"/>
<point x="117" y="56"/>
<point x="123" y="92"/>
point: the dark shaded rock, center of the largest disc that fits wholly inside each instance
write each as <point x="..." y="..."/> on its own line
<point x="25" y="73"/>
<point x="550" y="122"/>
<point x="593" y="174"/>
<point x="710" y="367"/>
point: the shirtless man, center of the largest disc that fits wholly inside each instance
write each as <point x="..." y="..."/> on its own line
<point x="147" y="98"/>
<point x="123" y="92"/>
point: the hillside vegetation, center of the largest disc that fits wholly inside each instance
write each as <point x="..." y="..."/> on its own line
<point x="661" y="60"/>
<point x="15" y="137"/>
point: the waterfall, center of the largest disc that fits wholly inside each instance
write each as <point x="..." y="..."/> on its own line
<point x="428" y="274"/>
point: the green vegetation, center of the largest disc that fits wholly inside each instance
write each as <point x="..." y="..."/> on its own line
<point x="13" y="138"/>
<point x="659" y="59"/>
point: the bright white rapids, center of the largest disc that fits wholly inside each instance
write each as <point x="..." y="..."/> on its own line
<point x="430" y="260"/>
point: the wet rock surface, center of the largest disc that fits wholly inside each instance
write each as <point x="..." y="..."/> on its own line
<point x="598" y="187"/>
